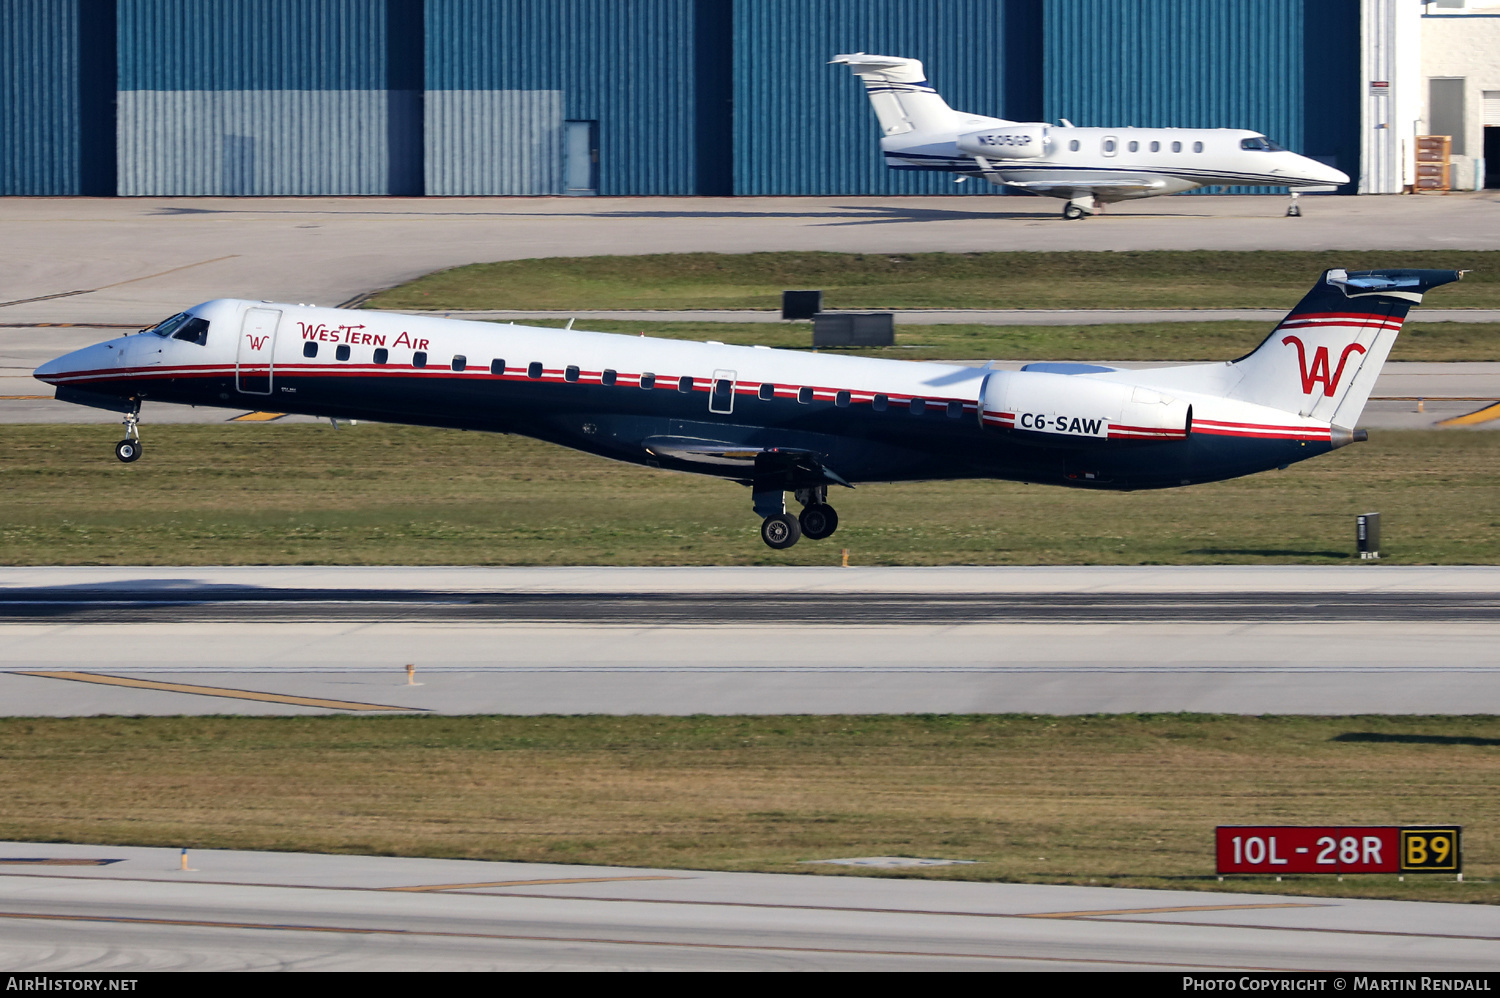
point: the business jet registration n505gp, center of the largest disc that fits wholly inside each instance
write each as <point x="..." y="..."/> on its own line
<point x="1084" y="166"/>
<point x="777" y="421"/>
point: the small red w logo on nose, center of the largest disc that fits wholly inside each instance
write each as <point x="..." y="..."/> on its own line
<point x="1318" y="372"/>
<point x="256" y="342"/>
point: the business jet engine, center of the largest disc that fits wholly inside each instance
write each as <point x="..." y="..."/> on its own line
<point x="1055" y="408"/>
<point x="1008" y="142"/>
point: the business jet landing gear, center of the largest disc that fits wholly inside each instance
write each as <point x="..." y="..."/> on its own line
<point x="1079" y="208"/>
<point x="129" y="449"/>
<point x="817" y="519"/>
<point x="1294" y="210"/>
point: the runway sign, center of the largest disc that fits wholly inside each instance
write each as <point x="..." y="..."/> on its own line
<point x="1338" y="849"/>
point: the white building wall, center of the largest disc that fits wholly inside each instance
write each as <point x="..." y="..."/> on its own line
<point x="1390" y="53"/>
<point x="1463" y="42"/>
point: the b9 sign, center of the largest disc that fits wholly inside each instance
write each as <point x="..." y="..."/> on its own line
<point x="1337" y="849"/>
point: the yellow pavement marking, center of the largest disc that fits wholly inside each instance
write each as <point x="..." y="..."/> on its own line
<point x="1484" y="415"/>
<point x="1163" y="911"/>
<point x="527" y="883"/>
<point x="257" y="417"/>
<point x="212" y="691"/>
<point x="25" y="396"/>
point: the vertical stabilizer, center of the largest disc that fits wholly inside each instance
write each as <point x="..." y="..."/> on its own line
<point x="900" y="94"/>
<point x="1322" y="360"/>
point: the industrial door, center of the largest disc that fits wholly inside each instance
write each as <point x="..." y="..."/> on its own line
<point x="253" y="360"/>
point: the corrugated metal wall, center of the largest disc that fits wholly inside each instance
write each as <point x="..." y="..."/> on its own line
<point x="1182" y="63"/>
<point x="629" y="66"/>
<point x="804" y="127"/>
<point x="690" y="96"/>
<point x="39" y="134"/>
<point x="252" y="97"/>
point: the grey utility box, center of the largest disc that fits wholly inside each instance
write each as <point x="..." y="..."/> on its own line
<point x="854" y="329"/>
<point x="801" y="304"/>
<point x="1367" y="534"/>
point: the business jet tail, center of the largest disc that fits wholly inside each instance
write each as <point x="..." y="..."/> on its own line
<point x="1322" y="360"/>
<point x="903" y="99"/>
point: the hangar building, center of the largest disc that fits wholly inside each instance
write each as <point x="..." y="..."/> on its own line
<point x="685" y="97"/>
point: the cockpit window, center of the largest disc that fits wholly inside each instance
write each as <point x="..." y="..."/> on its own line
<point x="195" y="330"/>
<point x="1260" y="144"/>
<point x="169" y="326"/>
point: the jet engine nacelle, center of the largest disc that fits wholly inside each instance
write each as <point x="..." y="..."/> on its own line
<point x="1070" y="406"/>
<point x="1009" y="142"/>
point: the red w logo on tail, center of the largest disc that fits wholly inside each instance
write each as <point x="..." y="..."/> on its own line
<point x="1318" y="373"/>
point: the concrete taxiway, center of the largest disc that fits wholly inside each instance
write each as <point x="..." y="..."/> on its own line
<point x="1355" y="639"/>
<point x="123" y="909"/>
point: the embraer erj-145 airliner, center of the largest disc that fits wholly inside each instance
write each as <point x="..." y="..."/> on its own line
<point x="1084" y="166"/>
<point x="777" y="421"/>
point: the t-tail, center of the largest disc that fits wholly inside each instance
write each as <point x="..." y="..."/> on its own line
<point x="1321" y="362"/>
<point x="903" y="99"/>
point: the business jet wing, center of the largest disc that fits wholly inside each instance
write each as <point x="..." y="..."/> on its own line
<point x="797" y="466"/>
<point x="1093" y="186"/>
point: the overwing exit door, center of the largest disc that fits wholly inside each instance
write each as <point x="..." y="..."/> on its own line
<point x="254" y="356"/>
<point x="721" y="392"/>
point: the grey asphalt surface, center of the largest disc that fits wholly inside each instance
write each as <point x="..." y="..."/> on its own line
<point x="1368" y="638"/>
<point x="137" y="260"/>
<point x="293" y="911"/>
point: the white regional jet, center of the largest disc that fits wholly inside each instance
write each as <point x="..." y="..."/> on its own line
<point x="777" y="420"/>
<point x="1085" y="166"/>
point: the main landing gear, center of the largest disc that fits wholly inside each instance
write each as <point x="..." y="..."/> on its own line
<point x="129" y="449"/>
<point x="1080" y="207"/>
<point x="780" y="529"/>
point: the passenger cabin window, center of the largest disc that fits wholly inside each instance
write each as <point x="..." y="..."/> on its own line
<point x="607" y="378"/>
<point x="766" y="392"/>
<point x="460" y="362"/>
<point x="955" y="410"/>
<point x="497" y="367"/>
<point x="194" y="330"/>
<point x="1109" y="147"/>
<point x="342" y="353"/>
<point x="879" y="403"/>
<point x="841" y="400"/>
<point x="570" y="373"/>
<point x="1156" y="147"/>
<point x="309" y="349"/>
<point x="1134" y="146"/>
<point x="534" y="369"/>
<point x="419" y="359"/>
<point x="1073" y="146"/>
<point x="648" y="380"/>
<point x="684" y="384"/>
<point x="382" y="355"/>
<point x="917" y="406"/>
<point x="723" y="388"/>
<point x="1177" y="147"/>
<point x="1197" y="147"/>
<point x="804" y="395"/>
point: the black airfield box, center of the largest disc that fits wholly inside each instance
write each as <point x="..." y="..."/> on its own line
<point x="801" y="304"/>
<point x="854" y="329"/>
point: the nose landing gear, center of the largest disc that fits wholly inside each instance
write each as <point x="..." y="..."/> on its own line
<point x="129" y="449"/>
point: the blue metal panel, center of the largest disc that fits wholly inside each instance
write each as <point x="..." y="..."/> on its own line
<point x="804" y="127"/>
<point x="39" y="97"/>
<point x="629" y="66"/>
<point x="1179" y="63"/>
<point x="252" y="45"/>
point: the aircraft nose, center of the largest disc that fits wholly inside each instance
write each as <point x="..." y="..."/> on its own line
<point x="60" y="369"/>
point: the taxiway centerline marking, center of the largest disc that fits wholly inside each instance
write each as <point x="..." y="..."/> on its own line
<point x="526" y="883"/>
<point x="1164" y="911"/>
<point x="1485" y="415"/>
<point x="132" y="280"/>
<point x="375" y="931"/>
<point x="213" y="691"/>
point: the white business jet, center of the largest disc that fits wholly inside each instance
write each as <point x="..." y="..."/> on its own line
<point x="1086" y="167"/>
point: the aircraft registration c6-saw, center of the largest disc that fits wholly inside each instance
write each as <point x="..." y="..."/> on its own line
<point x="777" y="421"/>
<point x="1084" y="166"/>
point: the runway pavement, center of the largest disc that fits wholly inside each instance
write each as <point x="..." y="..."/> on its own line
<point x="1358" y="639"/>
<point x="137" y="260"/>
<point x="127" y="909"/>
